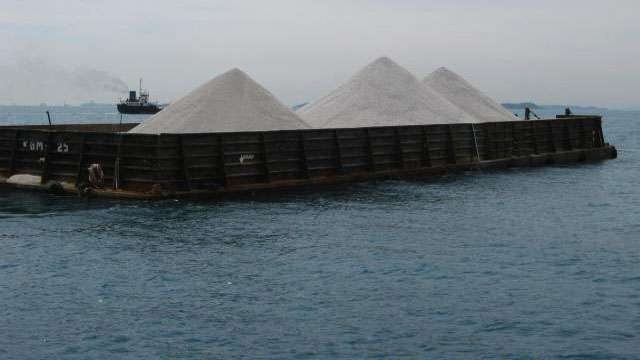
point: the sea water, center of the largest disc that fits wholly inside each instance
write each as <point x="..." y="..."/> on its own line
<point x="520" y="263"/>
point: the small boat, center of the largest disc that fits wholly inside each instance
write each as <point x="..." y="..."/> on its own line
<point x="138" y="105"/>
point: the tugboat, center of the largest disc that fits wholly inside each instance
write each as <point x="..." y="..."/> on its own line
<point x="141" y="105"/>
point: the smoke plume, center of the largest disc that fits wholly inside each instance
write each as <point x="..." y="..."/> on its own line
<point x="39" y="81"/>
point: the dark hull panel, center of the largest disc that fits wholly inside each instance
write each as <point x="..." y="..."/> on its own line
<point x="137" y="109"/>
<point x="215" y="164"/>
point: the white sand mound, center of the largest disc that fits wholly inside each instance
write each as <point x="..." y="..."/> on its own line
<point x="25" y="180"/>
<point x="461" y="93"/>
<point x="382" y="94"/>
<point x="230" y="102"/>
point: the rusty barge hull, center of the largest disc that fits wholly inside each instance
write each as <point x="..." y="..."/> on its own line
<point x="207" y="165"/>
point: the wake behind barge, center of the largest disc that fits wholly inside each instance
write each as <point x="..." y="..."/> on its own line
<point x="102" y="160"/>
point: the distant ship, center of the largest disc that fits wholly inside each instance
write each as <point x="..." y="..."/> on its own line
<point x="141" y="105"/>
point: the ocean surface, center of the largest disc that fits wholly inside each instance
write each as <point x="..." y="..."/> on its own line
<point x="522" y="263"/>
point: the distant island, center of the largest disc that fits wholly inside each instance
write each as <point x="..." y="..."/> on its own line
<point x="522" y="105"/>
<point x="299" y="106"/>
<point x="534" y="106"/>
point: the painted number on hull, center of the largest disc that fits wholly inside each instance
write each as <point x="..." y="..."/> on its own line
<point x="246" y="157"/>
<point x="40" y="146"/>
<point x="63" y="147"/>
<point x="33" y="145"/>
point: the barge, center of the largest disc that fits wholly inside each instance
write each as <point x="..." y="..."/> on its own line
<point x="103" y="160"/>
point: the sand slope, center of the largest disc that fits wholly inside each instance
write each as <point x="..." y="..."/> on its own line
<point x="382" y="94"/>
<point x="230" y="102"/>
<point x="461" y="93"/>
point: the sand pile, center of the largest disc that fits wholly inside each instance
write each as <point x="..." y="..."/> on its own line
<point x="382" y="94"/>
<point x="461" y="93"/>
<point x="24" y="179"/>
<point x="230" y="102"/>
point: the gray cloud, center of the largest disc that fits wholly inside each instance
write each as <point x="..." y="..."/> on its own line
<point x="570" y="51"/>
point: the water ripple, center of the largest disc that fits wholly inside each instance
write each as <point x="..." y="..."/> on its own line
<point x="523" y="263"/>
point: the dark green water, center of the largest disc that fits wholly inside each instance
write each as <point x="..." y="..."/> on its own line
<point x="523" y="263"/>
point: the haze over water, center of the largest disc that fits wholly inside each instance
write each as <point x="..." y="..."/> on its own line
<point x="521" y="263"/>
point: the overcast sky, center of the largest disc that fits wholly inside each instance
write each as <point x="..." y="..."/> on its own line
<point x="573" y="52"/>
